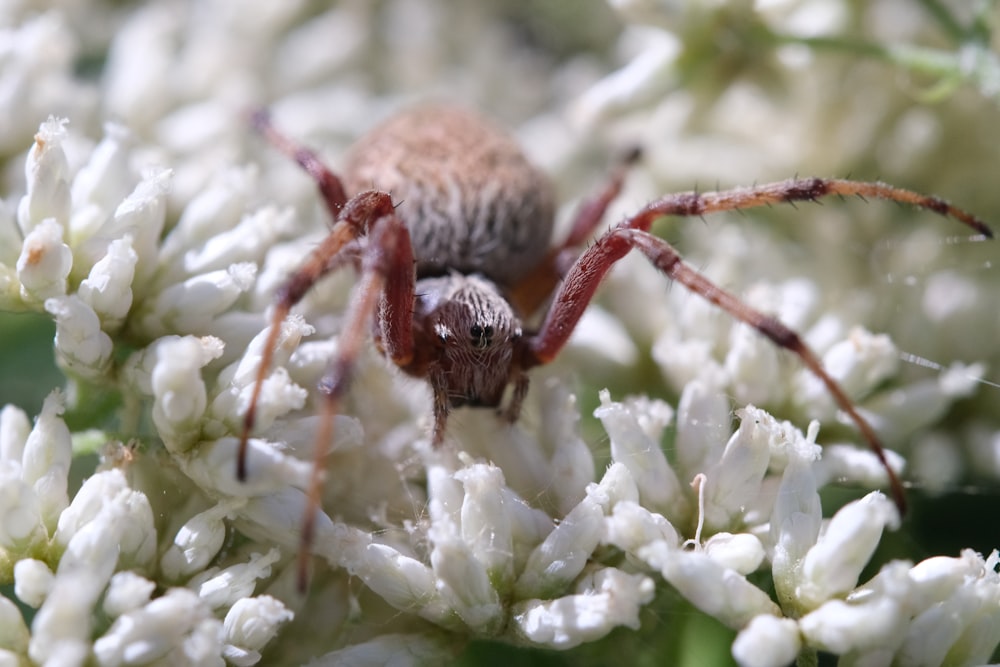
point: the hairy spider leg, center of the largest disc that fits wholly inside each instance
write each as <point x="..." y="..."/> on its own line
<point x="331" y="188"/>
<point x="386" y="285"/>
<point x="583" y="278"/>
<point x="353" y="223"/>
<point x="529" y="293"/>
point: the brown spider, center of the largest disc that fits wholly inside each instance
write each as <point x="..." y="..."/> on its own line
<point x="449" y="272"/>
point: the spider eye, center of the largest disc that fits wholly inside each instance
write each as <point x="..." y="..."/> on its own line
<point x="481" y="335"/>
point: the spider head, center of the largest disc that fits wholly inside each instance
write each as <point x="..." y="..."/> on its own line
<point x="475" y="331"/>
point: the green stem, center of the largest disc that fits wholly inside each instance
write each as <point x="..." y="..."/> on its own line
<point x="946" y="21"/>
<point x="971" y="63"/>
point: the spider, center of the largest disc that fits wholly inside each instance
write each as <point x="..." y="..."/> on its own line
<point x="459" y="253"/>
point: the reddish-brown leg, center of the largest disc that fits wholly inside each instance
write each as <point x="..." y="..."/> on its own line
<point x="592" y="211"/>
<point x="582" y="280"/>
<point x="330" y="186"/>
<point x="534" y="288"/>
<point x="591" y="268"/>
<point x="793" y="190"/>
<point x="355" y="217"/>
<point x="386" y="284"/>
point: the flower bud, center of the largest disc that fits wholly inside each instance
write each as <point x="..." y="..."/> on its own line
<point x="32" y="581"/>
<point x="606" y="599"/>
<point x="658" y="485"/>
<point x="46" y="171"/>
<point x="81" y="347"/>
<point x="45" y="262"/>
<point x="196" y="543"/>
<point x="767" y="641"/>
<point x="253" y="622"/>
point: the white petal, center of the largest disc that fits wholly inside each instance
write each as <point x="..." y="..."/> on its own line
<point x="833" y="565"/>
<point x="841" y="627"/>
<point x="14" y="430"/>
<point x="13" y="632"/>
<point x="767" y="641"/>
<point x="252" y="622"/>
<point x="81" y="346"/>
<point x="220" y="589"/>
<point x="196" y="543"/>
<point x="46" y="459"/>
<point x="605" y="600"/>
<point x="659" y="488"/>
<point x="44" y="263"/>
<point x="127" y="591"/>
<point x="45" y="175"/>
<point x="631" y="526"/>
<point x="566" y="550"/>
<point x="108" y="287"/>
<point x="32" y="581"/>
<point x="717" y="590"/>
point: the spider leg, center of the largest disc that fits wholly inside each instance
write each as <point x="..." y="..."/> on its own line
<point x="353" y="223"/>
<point x="584" y="277"/>
<point x="330" y="186"/>
<point x="534" y="288"/>
<point x="386" y="286"/>
<point x="351" y="219"/>
<point x="592" y="211"/>
<point x="793" y="190"/>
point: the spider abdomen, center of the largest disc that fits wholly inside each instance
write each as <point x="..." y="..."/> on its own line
<point x="470" y="198"/>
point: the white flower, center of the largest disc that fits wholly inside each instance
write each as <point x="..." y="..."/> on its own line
<point x="566" y="550"/>
<point x="46" y="459"/>
<point x="13" y="632"/>
<point x="196" y="543"/>
<point x="223" y="588"/>
<point x="832" y="566"/>
<point x="180" y="397"/>
<point x="47" y="196"/>
<point x="608" y="598"/>
<point x="126" y="592"/>
<point x="82" y="348"/>
<point x="658" y="485"/>
<point x="32" y="581"/>
<point x="767" y="641"/>
<point x="45" y="262"/>
<point x="107" y="289"/>
<point x="171" y="627"/>
<point x="250" y="624"/>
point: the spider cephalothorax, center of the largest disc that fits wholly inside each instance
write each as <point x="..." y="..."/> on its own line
<point x="466" y="337"/>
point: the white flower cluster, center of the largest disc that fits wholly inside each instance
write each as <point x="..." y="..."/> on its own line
<point x="86" y="567"/>
<point x="157" y="255"/>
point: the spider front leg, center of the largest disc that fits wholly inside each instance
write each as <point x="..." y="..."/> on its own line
<point x="386" y="285"/>
<point x="584" y="277"/>
<point x="354" y="221"/>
